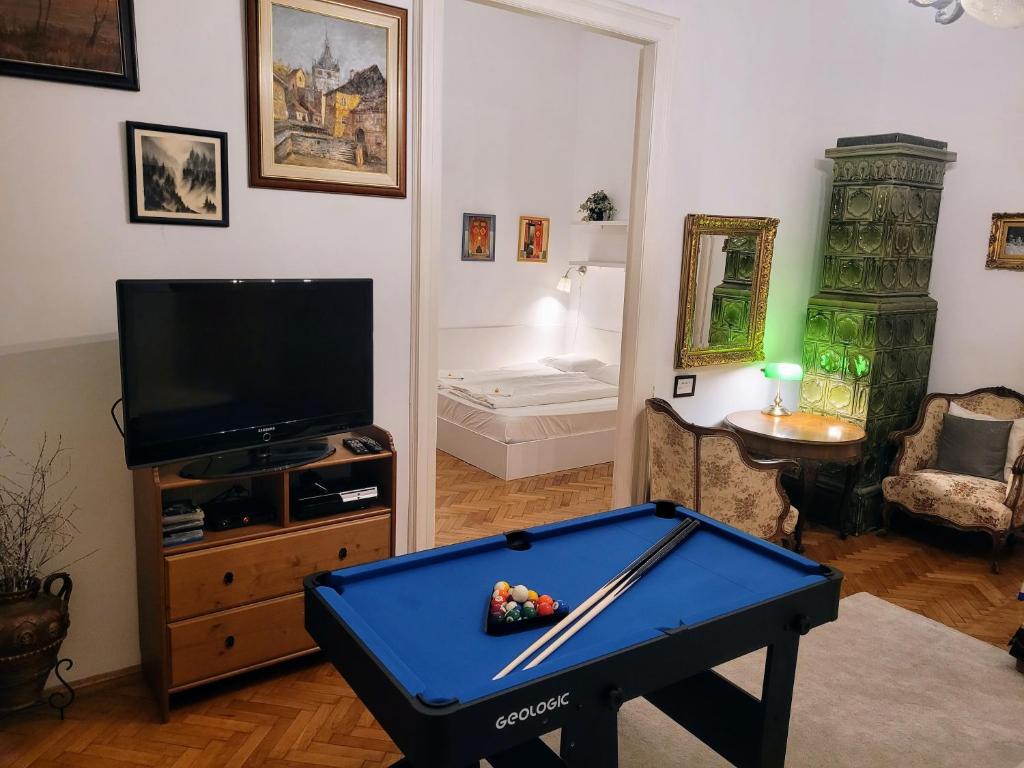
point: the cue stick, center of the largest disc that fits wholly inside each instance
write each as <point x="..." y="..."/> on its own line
<point x="615" y="594"/>
<point x="598" y="595"/>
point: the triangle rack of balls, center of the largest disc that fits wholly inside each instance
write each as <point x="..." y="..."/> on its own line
<point x="514" y="609"/>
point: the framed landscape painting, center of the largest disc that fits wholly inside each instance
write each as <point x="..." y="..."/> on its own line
<point x="478" y="237"/>
<point x="1006" y="243"/>
<point x="177" y="175"/>
<point x="533" y="239"/>
<point x="327" y="96"/>
<point x="90" y="42"/>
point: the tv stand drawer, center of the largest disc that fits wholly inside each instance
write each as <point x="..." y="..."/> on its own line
<point x="238" y="574"/>
<point x="234" y="640"/>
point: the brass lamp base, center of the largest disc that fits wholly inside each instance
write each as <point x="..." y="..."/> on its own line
<point x="776" y="408"/>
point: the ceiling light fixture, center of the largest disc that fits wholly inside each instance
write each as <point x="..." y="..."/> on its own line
<point x="1005" y="14"/>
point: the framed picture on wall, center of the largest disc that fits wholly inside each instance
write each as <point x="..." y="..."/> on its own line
<point x="1006" y="243"/>
<point x="177" y="175"/>
<point x="327" y="96"/>
<point x="533" y="239"/>
<point x="478" y="237"/>
<point x="89" y="42"/>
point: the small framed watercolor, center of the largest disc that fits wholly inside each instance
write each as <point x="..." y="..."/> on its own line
<point x="478" y="237"/>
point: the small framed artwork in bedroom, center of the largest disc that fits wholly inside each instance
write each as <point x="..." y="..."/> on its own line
<point x="1006" y="243"/>
<point x="478" y="237"/>
<point x="533" y="239"/>
<point x="177" y="175"/>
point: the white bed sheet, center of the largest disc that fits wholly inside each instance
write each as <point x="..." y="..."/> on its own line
<point x="533" y="422"/>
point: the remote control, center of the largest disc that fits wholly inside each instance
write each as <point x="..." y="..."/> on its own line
<point x="355" y="445"/>
<point x="372" y="444"/>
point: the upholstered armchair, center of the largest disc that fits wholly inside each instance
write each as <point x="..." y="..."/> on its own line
<point x="709" y="471"/>
<point x="963" y="502"/>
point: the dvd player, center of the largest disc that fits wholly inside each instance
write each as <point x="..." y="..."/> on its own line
<point x="315" y="499"/>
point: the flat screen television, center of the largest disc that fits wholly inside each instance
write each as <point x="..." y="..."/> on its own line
<point x="249" y="374"/>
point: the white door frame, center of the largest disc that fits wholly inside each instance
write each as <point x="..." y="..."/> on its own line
<point x="649" y="215"/>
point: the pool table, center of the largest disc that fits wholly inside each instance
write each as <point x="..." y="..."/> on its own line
<point x="408" y="636"/>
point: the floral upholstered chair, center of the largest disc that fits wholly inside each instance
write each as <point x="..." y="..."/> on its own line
<point x="709" y="471"/>
<point x="959" y="501"/>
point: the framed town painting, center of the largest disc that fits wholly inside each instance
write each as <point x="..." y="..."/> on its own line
<point x="533" y="239"/>
<point x="90" y="42"/>
<point x="177" y="175"/>
<point x="327" y="96"/>
<point x="478" y="237"/>
<point x="1006" y="243"/>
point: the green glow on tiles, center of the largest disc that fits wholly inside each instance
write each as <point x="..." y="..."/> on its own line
<point x="783" y="371"/>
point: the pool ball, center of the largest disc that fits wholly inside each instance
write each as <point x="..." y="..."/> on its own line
<point x="513" y="615"/>
<point x="500" y="586"/>
<point x="533" y="596"/>
<point x="520" y="593"/>
<point x="529" y="611"/>
<point x="544" y="599"/>
<point x="545" y="609"/>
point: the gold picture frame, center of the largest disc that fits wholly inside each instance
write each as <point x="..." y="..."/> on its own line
<point x="534" y="232"/>
<point x="1006" y="243"/>
<point x="686" y="354"/>
<point x="327" y="96"/>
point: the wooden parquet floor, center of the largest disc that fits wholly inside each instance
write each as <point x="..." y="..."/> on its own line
<point x="303" y="714"/>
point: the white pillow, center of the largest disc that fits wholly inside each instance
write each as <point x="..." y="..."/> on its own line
<point x="1014" y="446"/>
<point x="607" y="374"/>
<point x="572" y="362"/>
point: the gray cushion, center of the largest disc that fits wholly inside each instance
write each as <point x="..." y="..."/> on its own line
<point x="973" y="447"/>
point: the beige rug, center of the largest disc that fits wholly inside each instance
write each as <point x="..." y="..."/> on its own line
<point x="879" y="687"/>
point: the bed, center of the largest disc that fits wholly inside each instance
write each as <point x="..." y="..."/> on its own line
<point x="529" y="419"/>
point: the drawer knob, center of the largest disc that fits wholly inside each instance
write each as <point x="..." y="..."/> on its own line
<point x="229" y="577"/>
<point x="343" y="553"/>
<point x="229" y="641"/>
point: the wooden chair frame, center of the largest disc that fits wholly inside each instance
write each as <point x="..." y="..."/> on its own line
<point x="1015" y="490"/>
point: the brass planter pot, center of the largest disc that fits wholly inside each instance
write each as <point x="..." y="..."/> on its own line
<point x="33" y="624"/>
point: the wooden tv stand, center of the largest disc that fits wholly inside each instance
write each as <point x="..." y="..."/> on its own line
<point x="232" y="602"/>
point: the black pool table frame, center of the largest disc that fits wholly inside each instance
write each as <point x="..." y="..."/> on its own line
<point x="673" y="672"/>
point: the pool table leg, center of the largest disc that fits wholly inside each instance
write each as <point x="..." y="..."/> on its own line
<point x="777" y="700"/>
<point x="592" y="739"/>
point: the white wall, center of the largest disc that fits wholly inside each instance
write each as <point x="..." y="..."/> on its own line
<point x="537" y="114"/>
<point x="761" y="90"/>
<point x="65" y="238"/>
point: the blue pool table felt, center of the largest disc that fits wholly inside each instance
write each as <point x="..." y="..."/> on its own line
<point x="422" y="615"/>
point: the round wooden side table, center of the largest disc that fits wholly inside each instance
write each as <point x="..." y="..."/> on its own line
<point x="811" y="440"/>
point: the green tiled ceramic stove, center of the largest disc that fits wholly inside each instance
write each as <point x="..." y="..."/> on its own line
<point x="868" y="341"/>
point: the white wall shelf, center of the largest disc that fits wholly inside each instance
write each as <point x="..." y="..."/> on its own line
<point x="600" y="224"/>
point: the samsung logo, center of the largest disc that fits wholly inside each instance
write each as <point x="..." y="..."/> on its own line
<point x="265" y="429"/>
<point x="532" y="711"/>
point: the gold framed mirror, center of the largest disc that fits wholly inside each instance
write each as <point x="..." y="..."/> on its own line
<point x="723" y="289"/>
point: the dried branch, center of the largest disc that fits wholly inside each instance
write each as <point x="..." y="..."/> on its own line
<point x="35" y="517"/>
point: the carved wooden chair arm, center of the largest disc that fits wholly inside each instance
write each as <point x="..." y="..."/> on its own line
<point x="1015" y="493"/>
<point x="900" y="435"/>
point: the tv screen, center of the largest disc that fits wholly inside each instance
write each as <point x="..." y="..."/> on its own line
<point x="210" y="366"/>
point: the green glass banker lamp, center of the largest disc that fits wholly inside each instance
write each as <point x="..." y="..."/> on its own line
<point x="781" y="372"/>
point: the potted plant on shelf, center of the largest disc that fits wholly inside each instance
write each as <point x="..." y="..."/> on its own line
<point x="35" y="526"/>
<point x="598" y="207"/>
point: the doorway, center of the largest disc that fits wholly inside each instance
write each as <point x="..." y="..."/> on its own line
<point x="655" y="36"/>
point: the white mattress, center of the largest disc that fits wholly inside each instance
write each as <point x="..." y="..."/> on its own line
<point x="533" y="422"/>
